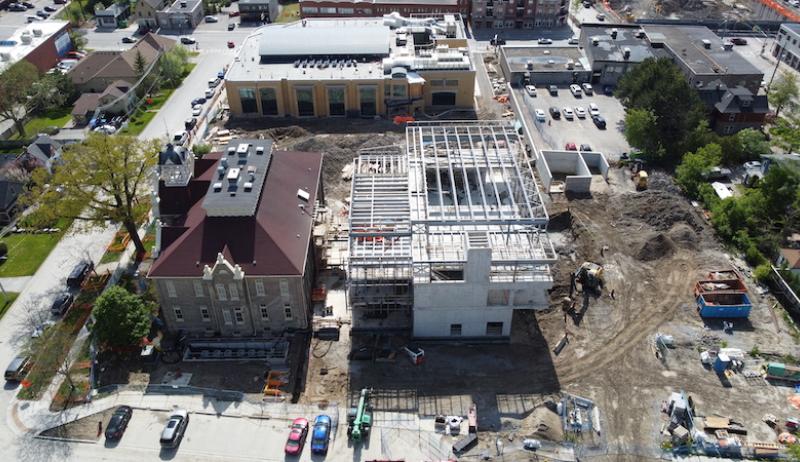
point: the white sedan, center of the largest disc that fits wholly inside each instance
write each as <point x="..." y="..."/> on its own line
<point x="530" y="90"/>
<point x="568" y="114"/>
<point x="580" y="112"/>
<point x="540" y="115"/>
<point x="197" y="109"/>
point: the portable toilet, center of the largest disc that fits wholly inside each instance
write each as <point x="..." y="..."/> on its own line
<point x="722" y="363"/>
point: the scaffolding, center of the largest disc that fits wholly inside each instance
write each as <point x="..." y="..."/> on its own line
<point x="417" y="212"/>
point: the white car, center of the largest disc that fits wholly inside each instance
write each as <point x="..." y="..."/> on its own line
<point x="530" y="90"/>
<point x="568" y="114"/>
<point x="587" y="88"/>
<point x="593" y="109"/>
<point x="580" y="112"/>
<point x="575" y="90"/>
<point x="107" y="129"/>
<point x="573" y="41"/>
<point x="197" y="109"/>
<point x="540" y="115"/>
<point x="211" y="19"/>
<point x="209" y="93"/>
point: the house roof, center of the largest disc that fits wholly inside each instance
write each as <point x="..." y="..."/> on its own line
<point x="86" y="103"/>
<point x="274" y="241"/>
<point x="114" y="10"/>
<point x="116" y="90"/>
<point x="740" y="99"/>
<point x="792" y="257"/>
<point x="119" y="64"/>
<point x="9" y="191"/>
<point x="43" y="148"/>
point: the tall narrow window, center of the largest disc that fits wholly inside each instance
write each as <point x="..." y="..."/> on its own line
<point x="198" y="288"/>
<point x="205" y="314"/>
<point x="367" y="100"/>
<point x="178" y="313"/>
<point x="171" y="293"/>
<point x="221" y="295"/>
<point x="336" y="105"/>
<point x="269" y="101"/>
<point x="233" y="290"/>
<point x="284" y="284"/>
<point x="264" y="313"/>
<point x="238" y="314"/>
<point x="305" y="102"/>
<point x="287" y="312"/>
<point x="226" y="316"/>
<point x="260" y="288"/>
<point x="248" y="98"/>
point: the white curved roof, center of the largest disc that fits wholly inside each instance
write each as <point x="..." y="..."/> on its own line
<point x="322" y="38"/>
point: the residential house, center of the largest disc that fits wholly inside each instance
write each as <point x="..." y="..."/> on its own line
<point x="791" y="259"/>
<point x="182" y="15"/>
<point x="234" y="254"/>
<point x="99" y="69"/>
<point x="116" y="99"/>
<point x="110" y="17"/>
<point x="734" y="109"/>
<point x="11" y="185"/>
<point x="44" y="151"/>
<point x="258" y="10"/>
<point x="146" y="11"/>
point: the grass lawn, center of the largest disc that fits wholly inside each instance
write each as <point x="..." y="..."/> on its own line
<point x="26" y="252"/>
<point x="145" y="114"/>
<point x="57" y="118"/>
<point x="289" y="13"/>
<point x="9" y="300"/>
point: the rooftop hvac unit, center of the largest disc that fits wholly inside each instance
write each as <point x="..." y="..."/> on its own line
<point x="626" y="53"/>
<point x="248" y="186"/>
<point x="231" y="151"/>
<point x="550" y="62"/>
<point x="707" y="44"/>
<point x="25" y="38"/>
<point x="37" y="32"/>
<point x="614" y="33"/>
<point x="595" y="41"/>
<point x="217" y="187"/>
<point x="242" y="148"/>
<point x="233" y="175"/>
<point x="529" y="65"/>
<point x="727" y="46"/>
<point x="5" y="56"/>
<point x="183" y="4"/>
<point x="259" y="151"/>
<point x="639" y="33"/>
<point x="570" y="64"/>
<point x="547" y="52"/>
<point x="223" y="163"/>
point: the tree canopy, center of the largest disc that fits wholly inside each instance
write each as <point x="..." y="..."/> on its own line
<point x="173" y="65"/>
<point x="103" y="178"/>
<point x="783" y="92"/>
<point x="691" y="173"/>
<point x="658" y="87"/>
<point x="122" y="319"/>
<point x="16" y="83"/>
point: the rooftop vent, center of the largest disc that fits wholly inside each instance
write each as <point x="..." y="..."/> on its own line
<point x="248" y="186"/>
<point x="223" y="163"/>
<point x="595" y="41"/>
<point x="707" y="44"/>
<point x="231" y="150"/>
<point x="529" y="65"/>
<point x="233" y="175"/>
<point x="221" y="171"/>
<point x="183" y="4"/>
<point x="614" y="33"/>
<point x="303" y="195"/>
<point x="626" y="53"/>
<point x="570" y="64"/>
<point x="259" y="151"/>
<point x="242" y="148"/>
<point x="37" y="32"/>
<point x="217" y="187"/>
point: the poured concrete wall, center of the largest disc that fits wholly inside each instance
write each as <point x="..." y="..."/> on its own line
<point x="597" y="161"/>
<point x="578" y="176"/>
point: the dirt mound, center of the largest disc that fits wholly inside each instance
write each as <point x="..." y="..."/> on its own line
<point x="657" y="247"/>
<point x="282" y="133"/>
<point x="660" y="181"/>
<point x="659" y="209"/>
<point x="683" y="236"/>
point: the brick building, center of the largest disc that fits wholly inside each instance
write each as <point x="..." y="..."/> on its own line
<point x="518" y="14"/>
<point x="370" y="8"/>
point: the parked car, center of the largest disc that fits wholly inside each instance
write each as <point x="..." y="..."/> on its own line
<point x="570" y="147"/>
<point x="580" y="112"/>
<point x="231" y="44"/>
<point x="16" y="7"/>
<point x="60" y="2"/>
<point x="209" y="93"/>
<point x="554" y="112"/>
<point x="599" y="121"/>
<point x="211" y="19"/>
<point x="321" y="435"/>
<point x="585" y="147"/>
<point x="173" y="432"/>
<point x="587" y="88"/>
<point x="42" y="14"/>
<point x="117" y="121"/>
<point x="297" y="437"/>
<point x="108" y="129"/>
<point x="593" y="109"/>
<point x="188" y="40"/>
<point x="17" y="368"/>
<point x="61" y="304"/>
<point x="212" y="83"/>
<point x="40" y="329"/>
<point x="231" y="25"/>
<point x="221" y="74"/>
<point x="190" y="123"/>
<point x="197" y="109"/>
<point x="28" y="5"/>
<point x="128" y="40"/>
<point x="530" y="90"/>
<point x="233" y="14"/>
<point x="575" y="90"/>
<point x="601" y="17"/>
<point x="180" y="138"/>
<point x="79" y="273"/>
<point x="32" y="18"/>
<point x="573" y="41"/>
<point x="540" y="115"/>
<point x="531" y="444"/>
<point x="545" y="41"/>
<point x="49" y="9"/>
<point x="568" y="114"/>
<point x="738" y="41"/>
<point x="553" y="90"/>
<point x="75" y="54"/>
<point x="118" y="423"/>
<point x="197" y="101"/>
<point x="587" y="4"/>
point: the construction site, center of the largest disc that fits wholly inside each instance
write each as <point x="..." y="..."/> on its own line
<point x="433" y="233"/>
<point x="703" y="10"/>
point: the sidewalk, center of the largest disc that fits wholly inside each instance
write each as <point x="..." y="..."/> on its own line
<point x="15" y="284"/>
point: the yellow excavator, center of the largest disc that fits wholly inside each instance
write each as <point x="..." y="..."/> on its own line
<point x="590" y="277"/>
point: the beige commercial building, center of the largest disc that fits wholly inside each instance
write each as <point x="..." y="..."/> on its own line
<point x="352" y="68"/>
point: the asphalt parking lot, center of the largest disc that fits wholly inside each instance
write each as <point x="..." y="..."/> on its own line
<point x="555" y="134"/>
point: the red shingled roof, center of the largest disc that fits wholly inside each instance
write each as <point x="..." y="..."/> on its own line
<point x="273" y="242"/>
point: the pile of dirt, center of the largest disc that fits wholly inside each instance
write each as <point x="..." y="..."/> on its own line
<point x="655" y="248"/>
<point x="683" y="236"/>
<point x="659" y="209"/>
<point x="661" y="181"/>
<point x="282" y="133"/>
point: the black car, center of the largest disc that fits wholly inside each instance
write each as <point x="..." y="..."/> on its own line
<point x="118" y="423"/>
<point x="61" y="304"/>
<point x="16" y="7"/>
<point x="79" y="273"/>
<point x="128" y="40"/>
<point x="197" y="101"/>
<point x="555" y="112"/>
<point x="50" y="9"/>
<point x="60" y="2"/>
<point x="599" y="121"/>
<point x="738" y="41"/>
<point x="42" y="14"/>
<point x="28" y="5"/>
<point x="553" y="90"/>
<point x="231" y="25"/>
<point x="189" y="123"/>
<point x="585" y="147"/>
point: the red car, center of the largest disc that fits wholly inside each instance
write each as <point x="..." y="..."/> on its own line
<point x="233" y="14"/>
<point x="231" y="44"/>
<point x="297" y="437"/>
<point x="571" y="147"/>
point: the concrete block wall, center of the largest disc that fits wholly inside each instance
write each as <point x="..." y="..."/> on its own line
<point x="597" y="161"/>
<point x="571" y="163"/>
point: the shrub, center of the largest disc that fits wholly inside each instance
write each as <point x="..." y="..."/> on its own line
<point x="201" y="149"/>
<point x="762" y="272"/>
<point x="753" y="256"/>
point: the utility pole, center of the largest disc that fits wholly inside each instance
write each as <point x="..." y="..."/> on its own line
<point x="780" y="57"/>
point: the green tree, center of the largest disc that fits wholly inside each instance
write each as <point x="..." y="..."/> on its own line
<point x="52" y="91"/>
<point x="659" y="86"/>
<point x="786" y="131"/>
<point x="691" y="172"/>
<point x="139" y="64"/>
<point x="173" y="65"/>
<point x="103" y="178"/>
<point x="78" y="40"/>
<point x="122" y="319"/>
<point x="753" y="143"/>
<point x="783" y="92"/>
<point x="779" y="187"/>
<point x="641" y="131"/>
<point x="16" y="84"/>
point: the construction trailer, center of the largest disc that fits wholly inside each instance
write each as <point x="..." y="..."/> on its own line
<point x="780" y="371"/>
<point x="722" y="295"/>
<point x="447" y="234"/>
